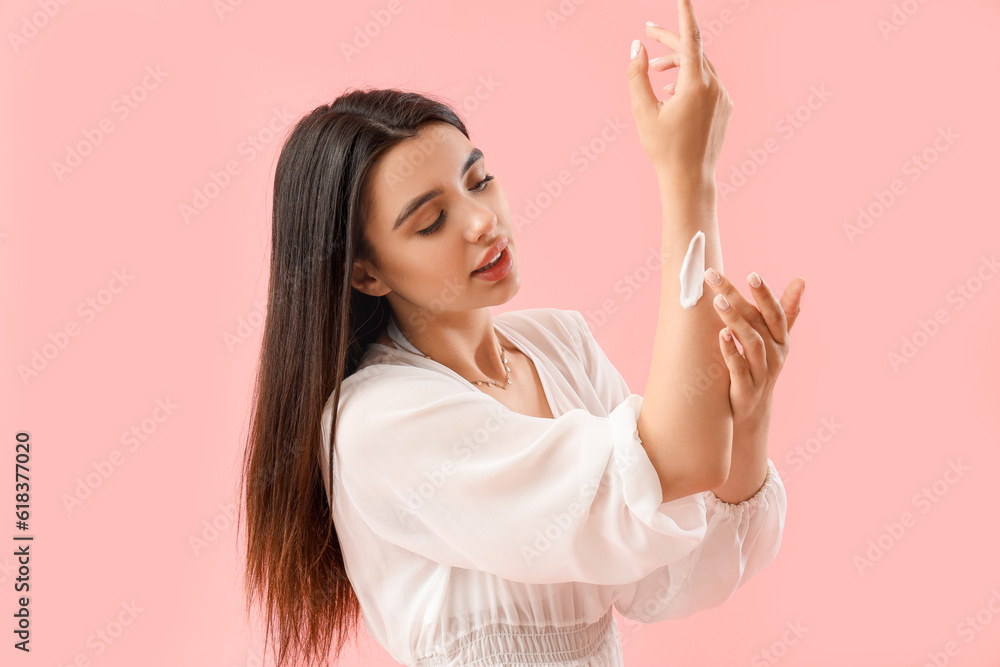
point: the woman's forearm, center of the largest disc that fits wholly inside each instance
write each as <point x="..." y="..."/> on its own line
<point x="686" y="423"/>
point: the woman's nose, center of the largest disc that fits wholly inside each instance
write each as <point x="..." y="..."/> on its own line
<point x="483" y="221"/>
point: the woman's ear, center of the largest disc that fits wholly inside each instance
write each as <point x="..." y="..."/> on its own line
<point x="365" y="280"/>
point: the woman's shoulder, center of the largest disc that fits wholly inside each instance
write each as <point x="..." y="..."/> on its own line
<point x="381" y="388"/>
<point x="390" y="378"/>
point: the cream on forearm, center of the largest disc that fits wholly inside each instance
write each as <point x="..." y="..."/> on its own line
<point x="693" y="271"/>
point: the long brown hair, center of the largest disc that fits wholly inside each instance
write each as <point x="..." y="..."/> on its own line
<point x="315" y="332"/>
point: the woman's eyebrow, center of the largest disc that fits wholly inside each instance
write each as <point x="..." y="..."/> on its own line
<point x="414" y="204"/>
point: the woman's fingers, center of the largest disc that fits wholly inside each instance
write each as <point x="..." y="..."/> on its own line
<point x="746" y="323"/>
<point x="643" y="99"/>
<point x="754" y="349"/>
<point x="791" y="300"/>
<point x="736" y="299"/>
<point x="661" y="63"/>
<point x="691" y="58"/>
<point x="770" y="309"/>
<point x="669" y="39"/>
<point x="673" y="42"/>
<point x="687" y="45"/>
<point x="739" y="371"/>
<point x="665" y="62"/>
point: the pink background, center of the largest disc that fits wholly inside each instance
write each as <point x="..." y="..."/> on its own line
<point x="166" y="331"/>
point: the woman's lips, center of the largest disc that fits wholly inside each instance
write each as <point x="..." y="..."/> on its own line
<point x="491" y="253"/>
<point x="498" y="272"/>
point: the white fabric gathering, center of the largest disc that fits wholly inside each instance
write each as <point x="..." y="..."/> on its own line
<point x="476" y="535"/>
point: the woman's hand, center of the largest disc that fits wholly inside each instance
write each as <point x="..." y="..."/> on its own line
<point x="763" y="334"/>
<point x="682" y="136"/>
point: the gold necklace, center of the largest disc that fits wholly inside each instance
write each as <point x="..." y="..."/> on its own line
<point x="503" y="355"/>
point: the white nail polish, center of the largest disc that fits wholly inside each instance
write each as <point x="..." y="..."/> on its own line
<point x="635" y="48"/>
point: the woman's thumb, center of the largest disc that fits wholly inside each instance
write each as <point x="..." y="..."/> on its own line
<point x="640" y="89"/>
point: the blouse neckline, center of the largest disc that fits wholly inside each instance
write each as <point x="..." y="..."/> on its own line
<point x="519" y="343"/>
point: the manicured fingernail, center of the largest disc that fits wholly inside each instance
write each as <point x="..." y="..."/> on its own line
<point x="726" y="333"/>
<point x="656" y="60"/>
<point x="713" y="276"/>
<point x="754" y="279"/>
<point x="652" y="24"/>
<point x="635" y="48"/>
<point x="721" y="302"/>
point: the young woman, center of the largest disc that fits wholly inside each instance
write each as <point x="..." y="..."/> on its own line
<point x="485" y="489"/>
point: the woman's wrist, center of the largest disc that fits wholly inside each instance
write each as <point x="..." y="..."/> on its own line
<point x="686" y="181"/>
<point x="751" y="429"/>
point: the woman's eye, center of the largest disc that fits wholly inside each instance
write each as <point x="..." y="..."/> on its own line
<point x="479" y="187"/>
<point x="437" y="223"/>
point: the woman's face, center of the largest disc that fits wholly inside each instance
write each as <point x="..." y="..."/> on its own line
<point x="436" y="214"/>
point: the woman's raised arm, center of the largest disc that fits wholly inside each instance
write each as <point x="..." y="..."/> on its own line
<point x="686" y="422"/>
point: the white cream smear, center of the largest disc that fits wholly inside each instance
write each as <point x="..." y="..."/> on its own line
<point x="693" y="271"/>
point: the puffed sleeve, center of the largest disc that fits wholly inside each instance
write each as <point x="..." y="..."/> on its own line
<point x="443" y="470"/>
<point x="740" y="541"/>
<point x="607" y="381"/>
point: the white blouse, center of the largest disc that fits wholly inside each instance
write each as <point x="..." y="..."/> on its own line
<point x="476" y="535"/>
